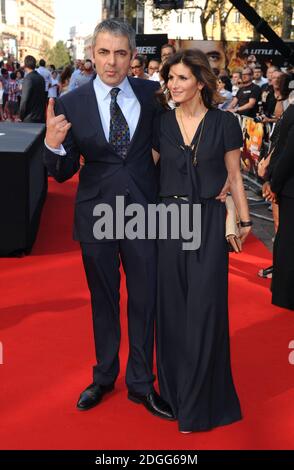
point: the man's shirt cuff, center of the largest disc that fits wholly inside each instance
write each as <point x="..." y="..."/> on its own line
<point x="60" y="151"/>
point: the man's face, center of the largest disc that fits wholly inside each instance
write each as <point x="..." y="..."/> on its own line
<point x="215" y="54"/>
<point x="251" y="61"/>
<point x="112" y="55"/>
<point x="236" y="78"/>
<point x="153" y="67"/>
<point x="276" y="75"/>
<point x="257" y="74"/>
<point x="269" y="74"/>
<point x="166" y="53"/>
<point x="88" y="66"/>
<point x="247" y="76"/>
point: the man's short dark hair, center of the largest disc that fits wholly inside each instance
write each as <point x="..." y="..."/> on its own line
<point x="42" y="63"/>
<point x="165" y="46"/>
<point x="30" y="62"/>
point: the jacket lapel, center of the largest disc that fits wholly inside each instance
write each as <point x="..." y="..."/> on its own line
<point x="93" y="115"/>
<point x="135" y="84"/>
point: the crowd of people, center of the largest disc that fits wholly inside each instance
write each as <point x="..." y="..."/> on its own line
<point x="251" y="92"/>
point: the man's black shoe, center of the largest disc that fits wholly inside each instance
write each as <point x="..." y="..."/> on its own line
<point x="153" y="403"/>
<point x="92" y="396"/>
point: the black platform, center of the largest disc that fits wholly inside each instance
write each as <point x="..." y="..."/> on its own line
<point x="23" y="186"/>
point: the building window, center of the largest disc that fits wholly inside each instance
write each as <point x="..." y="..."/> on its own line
<point x="179" y="17"/>
<point x="192" y="16"/>
<point x="22" y="20"/>
<point x="22" y="36"/>
<point x="237" y="17"/>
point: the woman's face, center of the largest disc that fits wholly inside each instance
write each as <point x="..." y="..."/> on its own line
<point x="137" y="68"/>
<point x="220" y="85"/>
<point x="182" y="84"/>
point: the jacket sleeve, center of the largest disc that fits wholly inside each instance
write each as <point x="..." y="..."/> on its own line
<point x="64" y="167"/>
<point x="284" y="168"/>
<point x="25" y="95"/>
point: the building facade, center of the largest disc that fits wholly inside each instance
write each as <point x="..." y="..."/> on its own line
<point x="177" y="24"/>
<point x="185" y="23"/>
<point x="8" y="28"/>
<point x="128" y="10"/>
<point x="80" y="42"/>
<point x="36" y="22"/>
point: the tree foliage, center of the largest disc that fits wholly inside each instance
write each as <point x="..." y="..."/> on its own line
<point x="270" y="10"/>
<point x="59" y="55"/>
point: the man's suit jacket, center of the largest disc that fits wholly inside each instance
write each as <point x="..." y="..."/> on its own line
<point x="282" y="178"/>
<point x="33" y="98"/>
<point x="105" y="174"/>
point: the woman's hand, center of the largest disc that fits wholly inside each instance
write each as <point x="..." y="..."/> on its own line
<point x="267" y="193"/>
<point x="244" y="232"/>
<point x="223" y="194"/>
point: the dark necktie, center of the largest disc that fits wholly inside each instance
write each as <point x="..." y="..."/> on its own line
<point x="119" y="133"/>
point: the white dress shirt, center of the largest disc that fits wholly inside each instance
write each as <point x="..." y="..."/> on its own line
<point x="46" y="75"/>
<point x="127" y="101"/>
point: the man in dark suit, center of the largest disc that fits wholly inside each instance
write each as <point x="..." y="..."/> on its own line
<point x="33" y="97"/>
<point x="109" y="121"/>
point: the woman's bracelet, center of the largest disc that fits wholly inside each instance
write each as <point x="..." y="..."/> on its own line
<point x="249" y="223"/>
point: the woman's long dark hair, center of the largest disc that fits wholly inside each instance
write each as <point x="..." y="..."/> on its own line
<point x="199" y="65"/>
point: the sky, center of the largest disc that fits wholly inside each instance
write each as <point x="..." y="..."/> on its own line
<point x="70" y="13"/>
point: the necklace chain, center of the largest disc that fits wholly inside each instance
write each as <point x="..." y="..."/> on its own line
<point x="194" y="148"/>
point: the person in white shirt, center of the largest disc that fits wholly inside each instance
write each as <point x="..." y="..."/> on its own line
<point x="53" y="87"/>
<point x="79" y="67"/>
<point x="225" y="90"/>
<point x="236" y="81"/>
<point x="42" y="70"/>
<point x="153" y="70"/>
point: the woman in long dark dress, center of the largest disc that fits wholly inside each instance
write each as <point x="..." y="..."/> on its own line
<point x="199" y="147"/>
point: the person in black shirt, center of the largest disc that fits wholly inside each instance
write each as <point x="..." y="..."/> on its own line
<point x="245" y="102"/>
<point x="199" y="148"/>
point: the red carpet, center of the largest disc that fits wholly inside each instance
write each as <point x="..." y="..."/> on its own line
<point x="45" y="331"/>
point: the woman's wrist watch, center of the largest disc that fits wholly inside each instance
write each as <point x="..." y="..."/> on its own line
<point x="248" y="223"/>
